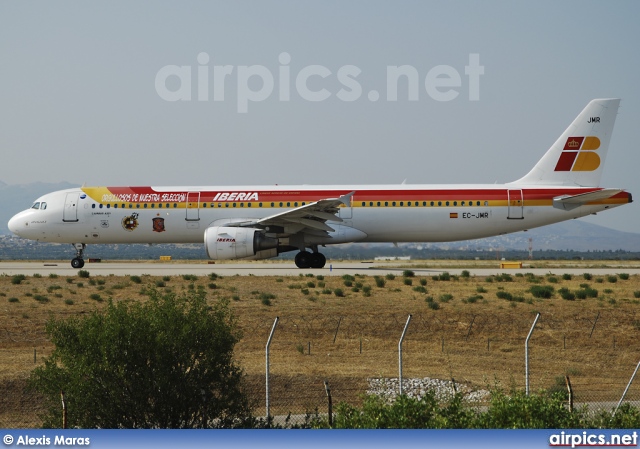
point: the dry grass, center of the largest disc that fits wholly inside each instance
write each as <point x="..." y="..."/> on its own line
<point x="472" y="336"/>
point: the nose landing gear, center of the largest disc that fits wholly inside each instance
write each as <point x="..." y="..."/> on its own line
<point x="78" y="261"/>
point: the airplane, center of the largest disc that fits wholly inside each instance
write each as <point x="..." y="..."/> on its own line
<point x="260" y="222"/>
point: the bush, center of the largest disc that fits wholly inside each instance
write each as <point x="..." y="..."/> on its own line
<point x="407" y="281"/>
<point x="390" y="276"/>
<point x="338" y="292"/>
<point x="465" y="274"/>
<point x="17" y="279"/>
<point x="613" y="279"/>
<point x="380" y="282"/>
<point x="566" y="277"/>
<point x="83" y="274"/>
<point x="587" y="276"/>
<point x="408" y="273"/>
<point x="136" y="279"/>
<point x="565" y="293"/>
<point x="420" y="289"/>
<point x="623" y="276"/>
<point x="542" y="291"/>
<point x="184" y="344"/>
<point x="504" y="295"/>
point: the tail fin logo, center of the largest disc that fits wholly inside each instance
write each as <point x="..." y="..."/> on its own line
<point x="579" y="154"/>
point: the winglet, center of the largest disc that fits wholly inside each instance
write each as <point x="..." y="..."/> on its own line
<point x="346" y="199"/>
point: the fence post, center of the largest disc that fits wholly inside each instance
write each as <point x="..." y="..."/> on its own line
<point x="627" y="389"/>
<point x="64" y="411"/>
<point x="273" y="329"/>
<point x="526" y="353"/>
<point x="400" y="352"/>
<point x="570" y="389"/>
<point x="326" y="388"/>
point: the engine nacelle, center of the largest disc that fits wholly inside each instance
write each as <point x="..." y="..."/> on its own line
<point x="223" y="242"/>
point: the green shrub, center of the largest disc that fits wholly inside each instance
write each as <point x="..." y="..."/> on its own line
<point x="83" y="274"/>
<point x="552" y="279"/>
<point x="338" y="292"/>
<point x="41" y="298"/>
<point x="542" y="291"/>
<point x="423" y="281"/>
<point x="17" y="279"/>
<point x="465" y="274"/>
<point x="566" y="277"/>
<point x="504" y="295"/>
<point x="623" y="276"/>
<point x="14" y="299"/>
<point x="408" y="273"/>
<point x="446" y="297"/>
<point x="613" y="279"/>
<point x="390" y="276"/>
<point x="380" y="282"/>
<point x="566" y="294"/>
<point x="587" y="276"/>
<point x="407" y="281"/>
<point x="481" y="289"/>
<point x="636" y="294"/>
<point x="420" y="289"/>
<point x="136" y="279"/>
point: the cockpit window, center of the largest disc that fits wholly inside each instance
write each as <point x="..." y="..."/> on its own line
<point x="35" y="206"/>
<point x="43" y="206"/>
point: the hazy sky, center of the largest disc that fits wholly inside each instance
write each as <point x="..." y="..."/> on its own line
<point x="85" y="91"/>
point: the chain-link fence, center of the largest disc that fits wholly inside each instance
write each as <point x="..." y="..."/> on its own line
<point x="355" y="354"/>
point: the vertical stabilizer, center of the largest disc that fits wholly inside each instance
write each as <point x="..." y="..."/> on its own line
<point x="577" y="157"/>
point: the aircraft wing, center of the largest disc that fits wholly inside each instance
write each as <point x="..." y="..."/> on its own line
<point x="310" y="218"/>
<point x="571" y="202"/>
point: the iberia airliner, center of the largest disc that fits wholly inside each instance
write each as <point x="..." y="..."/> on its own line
<point x="259" y="222"/>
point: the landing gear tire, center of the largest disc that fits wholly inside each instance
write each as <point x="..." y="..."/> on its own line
<point x="318" y="260"/>
<point x="303" y="259"/>
<point x="78" y="261"/>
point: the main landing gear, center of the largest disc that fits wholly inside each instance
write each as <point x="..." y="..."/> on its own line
<point x="78" y="261"/>
<point x="305" y="259"/>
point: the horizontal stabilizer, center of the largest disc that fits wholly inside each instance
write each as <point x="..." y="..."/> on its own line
<point x="573" y="201"/>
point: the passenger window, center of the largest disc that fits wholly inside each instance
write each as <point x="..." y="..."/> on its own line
<point x="93" y="206"/>
<point x="486" y="203"/>
<point x="115" y="206"/>
<point x="378" y="203"/>
<point x="455" y="203"/>
<point x="402" y="203"/>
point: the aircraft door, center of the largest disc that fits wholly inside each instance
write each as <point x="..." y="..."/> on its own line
<point x="193" y="206"/>
<point x="516" y="205"/>
<point x="70" y="212"/>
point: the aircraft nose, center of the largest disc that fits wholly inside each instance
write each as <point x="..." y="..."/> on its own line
<point x="16" y="224"/>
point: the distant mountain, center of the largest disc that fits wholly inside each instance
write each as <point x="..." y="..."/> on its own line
<point x="573" y="235"/>
<point x="14" y="198"/>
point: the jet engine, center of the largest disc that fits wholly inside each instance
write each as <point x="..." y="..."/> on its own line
<point x="222" y="242"/>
